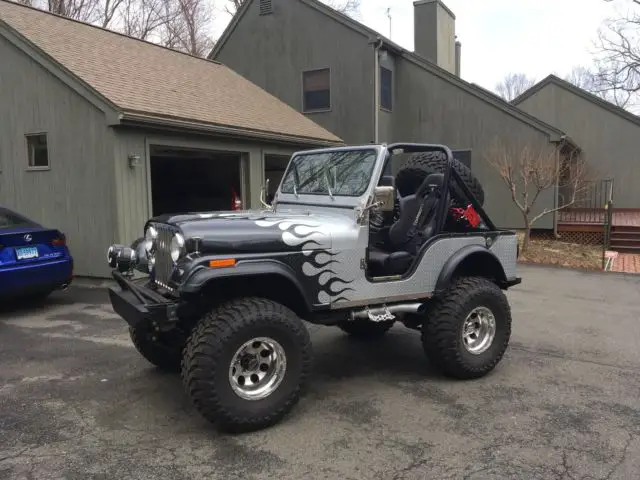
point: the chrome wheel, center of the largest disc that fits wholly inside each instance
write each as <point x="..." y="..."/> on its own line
<point x="479" y="330"/>
<point x="257" y="368"/>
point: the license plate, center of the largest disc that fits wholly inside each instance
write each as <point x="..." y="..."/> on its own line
<point x="26" y="253"/>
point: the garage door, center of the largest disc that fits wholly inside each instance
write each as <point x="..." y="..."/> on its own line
<point x="191" y="180"/>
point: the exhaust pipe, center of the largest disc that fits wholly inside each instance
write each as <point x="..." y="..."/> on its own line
<point x="381" y="314"/>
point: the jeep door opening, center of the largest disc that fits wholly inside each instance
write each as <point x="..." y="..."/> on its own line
<point x="344" y="243"/>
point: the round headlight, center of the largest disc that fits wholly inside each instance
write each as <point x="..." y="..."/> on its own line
<point x="177" y="245"/>
<point x="149" y="239"/>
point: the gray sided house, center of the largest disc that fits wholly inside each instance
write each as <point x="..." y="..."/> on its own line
<point x="365" y="88"/>
<point x="608" y="135"/>
<point x="99" y="131"/>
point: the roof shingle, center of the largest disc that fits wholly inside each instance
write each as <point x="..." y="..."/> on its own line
<point x="141" y="77"/>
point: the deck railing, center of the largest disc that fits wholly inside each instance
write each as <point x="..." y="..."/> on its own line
<point x="591" y="204"/>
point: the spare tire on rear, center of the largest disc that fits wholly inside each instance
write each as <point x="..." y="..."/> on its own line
<point x="416" y="169"/>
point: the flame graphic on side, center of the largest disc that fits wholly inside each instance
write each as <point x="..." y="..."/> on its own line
<point x="318" y="262"/>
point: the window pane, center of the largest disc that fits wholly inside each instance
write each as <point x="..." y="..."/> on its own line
<point x="10" y="220"/>
<point x="316" y="90"/>
<point x="386" y="88"/>
<point x="320" y="100"/>
<point x="342" y="173"/>
<point x="316" y="80"/>
<point x="38" y="153"/>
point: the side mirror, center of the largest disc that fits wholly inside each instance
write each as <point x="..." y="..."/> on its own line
<point x="385" y="197"/>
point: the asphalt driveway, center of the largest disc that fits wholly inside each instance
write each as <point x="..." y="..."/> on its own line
<point x="77" y="401"/>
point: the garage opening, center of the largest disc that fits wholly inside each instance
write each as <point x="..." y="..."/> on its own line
<point x="274" y="168"/>
<point x="192" y="180"/>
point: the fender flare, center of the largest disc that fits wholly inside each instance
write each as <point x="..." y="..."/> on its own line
<point x="477" y="251"/>
<point x="245" y="268"/>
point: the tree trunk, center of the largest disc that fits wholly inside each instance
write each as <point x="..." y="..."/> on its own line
<point x="527" y="234"/>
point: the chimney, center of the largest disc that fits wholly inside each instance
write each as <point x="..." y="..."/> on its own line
<point x="435" y="34"/>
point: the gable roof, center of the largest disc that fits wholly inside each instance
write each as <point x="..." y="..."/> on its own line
<point x="149" y="83"/>
<point x="554" y="133"/>
<point x="554" y="80"/>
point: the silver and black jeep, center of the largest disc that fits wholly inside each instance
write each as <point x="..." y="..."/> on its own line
<point x="349" y="240"/>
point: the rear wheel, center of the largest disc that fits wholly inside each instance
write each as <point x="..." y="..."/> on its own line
<point x="467" y="329"/>
<point x="365" y="329"/>
<point x="246" y="364"/>
<point x="419" y="166"/>
<point x="164" y="353"/>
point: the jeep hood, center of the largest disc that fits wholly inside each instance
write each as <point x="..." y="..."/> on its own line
<point x="259" y="231"/>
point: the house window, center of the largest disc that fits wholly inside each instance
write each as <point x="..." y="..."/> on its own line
<point x="316" y="86"/>
<point x="38" y="152"/>
<point x="265" y="7"/>
<point x="386" y="88"/>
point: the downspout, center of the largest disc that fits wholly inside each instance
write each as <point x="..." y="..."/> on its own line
<point x="376" y="96"/>
<point x="563" y="140"/>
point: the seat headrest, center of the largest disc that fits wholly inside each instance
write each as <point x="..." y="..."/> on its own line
<point x="387" y="181"/>
<point x="434" y="180"/>
<point x="430" y="183"/>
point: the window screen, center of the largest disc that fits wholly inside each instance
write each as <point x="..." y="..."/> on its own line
<point x="38" y="152"/>
<point x="317" y="90"/>
<point x="386" y="88"/>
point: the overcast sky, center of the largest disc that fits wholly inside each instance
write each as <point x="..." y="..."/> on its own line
<point x="536" y="37"/>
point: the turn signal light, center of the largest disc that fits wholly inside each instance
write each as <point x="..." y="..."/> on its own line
<point x="222" y="263"/>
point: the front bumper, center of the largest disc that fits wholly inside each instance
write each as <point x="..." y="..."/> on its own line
<point x="142" y="307"/>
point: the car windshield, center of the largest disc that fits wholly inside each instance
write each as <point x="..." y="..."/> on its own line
<point x="11" y="220"/>
<point x="341" y="173"/>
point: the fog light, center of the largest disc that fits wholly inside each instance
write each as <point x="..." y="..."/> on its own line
<point x="126" y="259"/>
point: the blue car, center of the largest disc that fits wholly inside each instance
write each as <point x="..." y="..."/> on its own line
<point x="34" y="260"/>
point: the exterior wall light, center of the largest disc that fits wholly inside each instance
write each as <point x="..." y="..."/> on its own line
<point x="134" y="160"/>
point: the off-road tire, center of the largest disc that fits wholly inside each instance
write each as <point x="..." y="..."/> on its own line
<point x="211" y="347"/>
<point x="165" y="356"/>
<point x="411" y="175"/>
<point x="364" y="329"/>
<point x="442" y="328"/>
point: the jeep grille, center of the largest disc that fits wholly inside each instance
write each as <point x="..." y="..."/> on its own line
<point x="164" y="263"/>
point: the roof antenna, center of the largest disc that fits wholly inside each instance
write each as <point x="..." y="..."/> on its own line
<point x="389" y="15"/>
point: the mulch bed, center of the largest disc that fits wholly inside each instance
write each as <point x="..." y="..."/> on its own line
<point x="565" y="254"/>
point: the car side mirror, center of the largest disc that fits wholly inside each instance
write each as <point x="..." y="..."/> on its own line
<point x="385" y="197"/>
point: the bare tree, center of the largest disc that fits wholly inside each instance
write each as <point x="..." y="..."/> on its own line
<point x="83" y="10"/>
<point x="143" y="19"/>
<point x="109" y="9"/>
<point x="514" y="85"/>
<point x="348" y="7"/>
<point x="618" y="55"/>
<point x="233" y="6"/>
<point x="590" y="81"/>
<point x="186" y="25"/>
<point x="97" y="12"/>
<point x="528" y="173"/>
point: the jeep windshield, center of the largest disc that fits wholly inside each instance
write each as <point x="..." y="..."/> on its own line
<point x="339" y="173"/>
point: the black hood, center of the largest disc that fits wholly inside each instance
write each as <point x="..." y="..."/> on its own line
<point x="249" y="232"/>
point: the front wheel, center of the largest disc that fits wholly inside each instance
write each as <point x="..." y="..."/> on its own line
<point x="468" y="328"/>
<point x="246" y="364"/>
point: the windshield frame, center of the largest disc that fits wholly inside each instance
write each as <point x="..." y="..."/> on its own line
<point x="336" y="199"/>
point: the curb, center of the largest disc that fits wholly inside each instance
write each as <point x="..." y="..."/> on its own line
<point x="587" y="271"/>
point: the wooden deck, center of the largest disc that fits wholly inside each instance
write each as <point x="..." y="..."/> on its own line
<point x="596" y="218"/>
